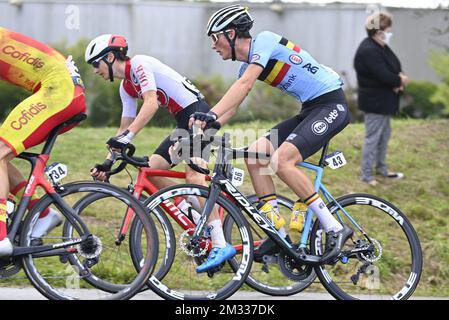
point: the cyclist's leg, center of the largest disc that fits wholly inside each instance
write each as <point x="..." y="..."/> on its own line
<point x="302" y="143"/>
<point x="158" y="161"/>
<point x="5" y="156"/>
<point x="299" y="145"/>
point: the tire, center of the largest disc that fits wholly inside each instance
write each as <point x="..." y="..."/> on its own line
<point x="182" y="282"/>
<point x="167" y="243"/>
<point x="269" y="279"/>
<point x="393" y="269"/>
<point x="64" y="276"/>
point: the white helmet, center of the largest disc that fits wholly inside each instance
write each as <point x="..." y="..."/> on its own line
<point x="104" y="44"/>
<point x="234" y="16"/>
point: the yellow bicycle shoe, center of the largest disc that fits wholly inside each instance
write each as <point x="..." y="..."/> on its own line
<point x="272" y="214"/>
<point x="297" y="219"/>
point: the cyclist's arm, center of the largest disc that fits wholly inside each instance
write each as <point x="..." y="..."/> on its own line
<point x="227" y="106"/>
<point x="147" y="111"/>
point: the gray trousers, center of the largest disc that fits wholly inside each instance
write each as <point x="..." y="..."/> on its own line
<point x="374" y="151"/>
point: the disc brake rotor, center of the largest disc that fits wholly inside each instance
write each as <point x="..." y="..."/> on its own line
<point x="375" y="255"/>
<point x="192" y="250"/>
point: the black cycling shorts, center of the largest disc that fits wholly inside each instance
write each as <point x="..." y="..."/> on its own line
<point x="319" y="120"/>
<point x="182" y="122"/>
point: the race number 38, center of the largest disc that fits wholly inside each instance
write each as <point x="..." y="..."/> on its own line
<point x="57" y="171"/>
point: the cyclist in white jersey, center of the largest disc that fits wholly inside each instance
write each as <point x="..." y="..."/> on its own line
<point x="282" y="64"/>
<point x="159" y="86"/>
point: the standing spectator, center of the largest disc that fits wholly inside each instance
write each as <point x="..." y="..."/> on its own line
<point x="380" y="81"/>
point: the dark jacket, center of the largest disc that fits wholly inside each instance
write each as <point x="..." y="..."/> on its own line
<point x="377" y="70"/>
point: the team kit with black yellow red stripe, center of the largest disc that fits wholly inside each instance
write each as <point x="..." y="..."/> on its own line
<point x="57" y="94"/>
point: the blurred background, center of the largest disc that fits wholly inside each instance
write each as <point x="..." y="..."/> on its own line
<point x="174" y="32"/>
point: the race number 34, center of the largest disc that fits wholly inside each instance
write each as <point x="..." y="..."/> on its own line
<point x="57" y="171"/>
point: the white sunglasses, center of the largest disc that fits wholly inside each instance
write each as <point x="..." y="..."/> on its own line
<point x="215" y="36"/>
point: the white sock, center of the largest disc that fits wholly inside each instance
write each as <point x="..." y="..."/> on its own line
<point x="216" y="233"/>
<point x="184" y="206"/>
<point x="282" y="232"/>
<point x="323" y="214"/>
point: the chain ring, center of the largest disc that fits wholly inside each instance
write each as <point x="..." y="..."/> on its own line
<point x="184" y="243"/>
<point x="293" y="270"/>
<point x="9" y="267"/>
<point x="378" y="251"/>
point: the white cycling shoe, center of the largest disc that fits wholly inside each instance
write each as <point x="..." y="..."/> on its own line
<point x="5" y="248"/>
<point x="44" y="225"/>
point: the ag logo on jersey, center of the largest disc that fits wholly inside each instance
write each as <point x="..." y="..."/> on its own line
<point x="319" y="127"/>
<point x="295" y="59"/>
<point x="255" y="58"/>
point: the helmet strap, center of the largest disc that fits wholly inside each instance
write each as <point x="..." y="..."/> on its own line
<point x="111" y="73"/>
<point x="232" y="44"/>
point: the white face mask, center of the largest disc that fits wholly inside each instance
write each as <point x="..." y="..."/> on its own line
<point x="388" y="36"/>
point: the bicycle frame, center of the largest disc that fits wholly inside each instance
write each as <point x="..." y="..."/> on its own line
<point x="144" y="184"/>
<point x="37" y="179"/>
<point x="221" y="183"/>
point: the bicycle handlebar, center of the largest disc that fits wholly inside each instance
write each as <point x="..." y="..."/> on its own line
<point x="126" y="156"/>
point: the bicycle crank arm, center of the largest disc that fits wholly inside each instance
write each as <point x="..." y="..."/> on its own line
<point x="303" y="257"/>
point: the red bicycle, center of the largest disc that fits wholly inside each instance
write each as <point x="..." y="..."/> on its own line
<point x="77" y="254"/>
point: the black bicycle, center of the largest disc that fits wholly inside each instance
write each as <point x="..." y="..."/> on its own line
<point x="80" y="255"/>
<point x="173" y="224"/>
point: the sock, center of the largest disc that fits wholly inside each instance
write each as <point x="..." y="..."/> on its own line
<point x="216" y="233"/>
<point x="282" y="232"/>
<point x="326" y="219"/>
<point x="18" y="192"/>
<point x="271" y="198"/>
<point x="187" y="209"/>
<point x="3" y="231"/>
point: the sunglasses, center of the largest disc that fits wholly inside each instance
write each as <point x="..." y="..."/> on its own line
<point x="215" y="36"/>
<point x="96" y="63"/>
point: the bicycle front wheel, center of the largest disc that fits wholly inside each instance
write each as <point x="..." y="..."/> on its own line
<point x="182" y="282"/>
<point x="99" y="269"/>
<point x="389" y="261"/>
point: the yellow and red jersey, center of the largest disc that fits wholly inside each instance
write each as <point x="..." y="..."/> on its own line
<point x="42" y="70"/>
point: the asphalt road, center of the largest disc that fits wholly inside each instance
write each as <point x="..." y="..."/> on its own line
<point x="33" y="294"/>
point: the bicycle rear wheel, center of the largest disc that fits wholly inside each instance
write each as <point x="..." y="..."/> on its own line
<point x="392" y="266"/>
<point x="77" y="271"/>
<point x="268" y="277"/>
<point x="182" y="282"/>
